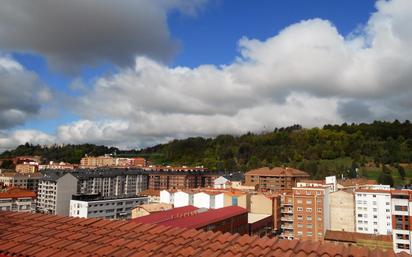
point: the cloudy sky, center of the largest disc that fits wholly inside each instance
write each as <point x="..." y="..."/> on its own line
<point x="134" y="73"/>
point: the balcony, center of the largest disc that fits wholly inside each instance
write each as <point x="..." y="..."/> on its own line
<point x="286" y="227"/>
<point x="289" y="219"/>
<point x="285" y="210"/>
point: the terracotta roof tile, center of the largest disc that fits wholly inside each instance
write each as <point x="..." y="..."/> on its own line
<point x="21" y="235"/>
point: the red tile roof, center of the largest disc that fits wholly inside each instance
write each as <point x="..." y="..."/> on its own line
<point x="16" y="193"/>
<point x="278" y="171"/>
<point x="40" y="235"/>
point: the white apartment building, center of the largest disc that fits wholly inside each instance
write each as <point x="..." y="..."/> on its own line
<point x="401" y="206"/>
<point x="95" y="206"/>
<point x="373" y="212"/>
<point x="55" y="192"/>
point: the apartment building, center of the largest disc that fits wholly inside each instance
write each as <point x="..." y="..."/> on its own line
<point x="342" y="211"/>
<point x="25" y="181"/>
<point x="286" y="216"/>
<point x="17" y="200"/>
<point x="99" y="161"/>
<point x="58" y="166"/>
<point x="27" y="167"/>
<point x="111" y="182"/>
<point x="373" y="211"/>
<point x="96" y="206"/>
<point x="278" y="178"/>
<point x="401" y="207"/>
<point x="310" y="212"/>
<point x="163" y="180"/>
<point x="56" y="187"/>
<point x="55" y="192"/>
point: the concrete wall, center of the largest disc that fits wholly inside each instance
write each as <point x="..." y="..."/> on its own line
<point x="201" y="200"/>
<point x="66" y="187"/>
<point x="261" y="204"/>
<point x="342" y="211"/>
<point x="181" y="199"/>
<point x="165" y="197"/>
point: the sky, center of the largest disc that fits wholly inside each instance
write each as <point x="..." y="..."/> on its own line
<point x="135" y="73"/>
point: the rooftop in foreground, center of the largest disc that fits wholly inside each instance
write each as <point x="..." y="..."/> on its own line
<point x="40" y="235"/>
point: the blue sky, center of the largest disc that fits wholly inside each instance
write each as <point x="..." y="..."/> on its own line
<point x="131" y="74"/>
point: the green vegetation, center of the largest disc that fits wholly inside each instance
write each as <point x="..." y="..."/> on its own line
<point x="344" y="150"/>
<point x="332" y="150"/>
<point x="66" y="153"/>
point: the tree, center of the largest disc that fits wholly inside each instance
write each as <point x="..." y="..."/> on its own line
<point x="385" y="178"/>
<point x="401" y="171"/>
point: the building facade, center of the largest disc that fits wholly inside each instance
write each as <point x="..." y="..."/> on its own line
<point x="17" y="200"/>
<point x="25" y="181"/>
<point x="57" y="187"/>
<point x="373" y="211"/>
<point x="401" y="206"/>
<point x="342" y="211"/>
<point x="27" y="168"/>
<point x="278" y="178"/>
<point x="96" y="206"/>
<point x="310" y="212"/>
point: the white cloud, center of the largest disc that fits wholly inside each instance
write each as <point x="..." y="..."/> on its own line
<point x="12" y="139"/>
<point x="76" y="33"/>
<point x="21" y="93"/>
<point x="307" y="74"/>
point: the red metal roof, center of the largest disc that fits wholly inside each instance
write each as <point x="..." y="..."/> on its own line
<point x="162" y="216"/>
<point x="205" y="218"/>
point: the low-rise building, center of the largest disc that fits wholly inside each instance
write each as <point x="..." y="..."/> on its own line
<point x="232" y="219"/>
<point x="152" y="195"/>
<point x="17" y="199"/>
<point x="96" y="206"/>
<point x="359" y="239"/>
<point x="260" y="224"/>
<point x="146" y="209"/>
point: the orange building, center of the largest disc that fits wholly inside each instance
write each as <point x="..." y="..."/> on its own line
<point x="278" y="178"/>
<point x="310" y="212"/>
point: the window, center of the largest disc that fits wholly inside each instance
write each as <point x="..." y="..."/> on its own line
<point x="319" y="209"/>
<point x="308" y="201"/>
<point x="374" y="196"/>
<point x="299" y="201"/>
<point x="300" y="209"/>
<point x="374" y="202"/>
<point x="400" y="208"/>
<point x="309" y="218"/>
<point x="375" y="209"/>
<point x="234" y="201"/>
<point x="360" y="228"/>
<point x="308" y="209"/>
<point x="300" y="217"/>
<point x="375" y="216"/>
<point x="309" y="225"/>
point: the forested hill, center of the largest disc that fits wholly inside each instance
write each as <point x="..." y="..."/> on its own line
<point x="333" y="149"/>
<point x="66" y="153"/>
